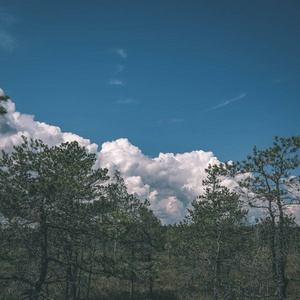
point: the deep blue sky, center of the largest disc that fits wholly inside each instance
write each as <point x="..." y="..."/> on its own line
<point x="171" y="76"/>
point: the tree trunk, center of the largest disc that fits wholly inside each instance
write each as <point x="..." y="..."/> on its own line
<point x="282" y="281"/>
<point x="44" y="256"/>
<point x="132" y="274"/>
<point x="217" y="269"/>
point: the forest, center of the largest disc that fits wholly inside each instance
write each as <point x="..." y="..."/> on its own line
<point x="69" y="231"/>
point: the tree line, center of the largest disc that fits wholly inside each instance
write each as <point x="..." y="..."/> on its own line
<point x="68" y="231"/>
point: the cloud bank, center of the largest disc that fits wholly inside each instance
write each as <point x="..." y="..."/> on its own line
<point x="14" y="124"/>
<point x="170" y="181"/>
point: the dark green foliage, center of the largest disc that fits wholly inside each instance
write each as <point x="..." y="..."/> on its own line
<point x="137" y="238"/>
<point x="3" y="98"/>
<point x="62" y="228"/>
<point x="69" y="232"/>
<point x="3" y="111"/>
<point x="45" y="198"/>
<point x="269" y="187"/>
<point x="217" y="219"/>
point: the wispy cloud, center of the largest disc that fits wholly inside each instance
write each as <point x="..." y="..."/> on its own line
<point x="241" y="96"/>
<point x="6" y="18"/>
<point x="120" y="69"/>
<point x="277" y="81"/>
<point x="127" y="101"/>
<point x="175" y="120"/>
<point x="6" y="41"/>
<point x="170" y="121"/>
<point x="121" y="53"/>
<point x="116" y="82"/>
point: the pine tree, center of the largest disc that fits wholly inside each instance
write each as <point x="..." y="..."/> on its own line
<point x="216" y="219"/>
<point x="269" y="186"/>
<point x="46" y="200"/>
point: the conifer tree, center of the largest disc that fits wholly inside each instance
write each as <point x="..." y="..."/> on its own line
<point x="269" y="186"/>
<point x="216" y="220"/>
<point x="46" y="195"/>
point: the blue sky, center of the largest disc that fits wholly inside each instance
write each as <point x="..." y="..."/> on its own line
<point x="171" y="76"/>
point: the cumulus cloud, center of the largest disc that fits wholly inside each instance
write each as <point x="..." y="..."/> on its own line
<point x="170" y="181"/>
<point x="14" y="124"/>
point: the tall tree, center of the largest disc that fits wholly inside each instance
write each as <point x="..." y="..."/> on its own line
<point x="268" y="186"/>
<point x="215" y="221"/>
<point x="137" y="237"/>
<point x="45" y="195"/>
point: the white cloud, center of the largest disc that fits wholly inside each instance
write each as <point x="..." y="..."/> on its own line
<point x="121" y="53"/>
<point x="241" y="96"/>
<point x="169" y="181"/>
<point x="14" y="124"/>
<point x="1" y="92"/>
<point x="116" y="82"/>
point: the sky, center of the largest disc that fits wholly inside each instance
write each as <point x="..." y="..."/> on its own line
<point x="162" y="87"/>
